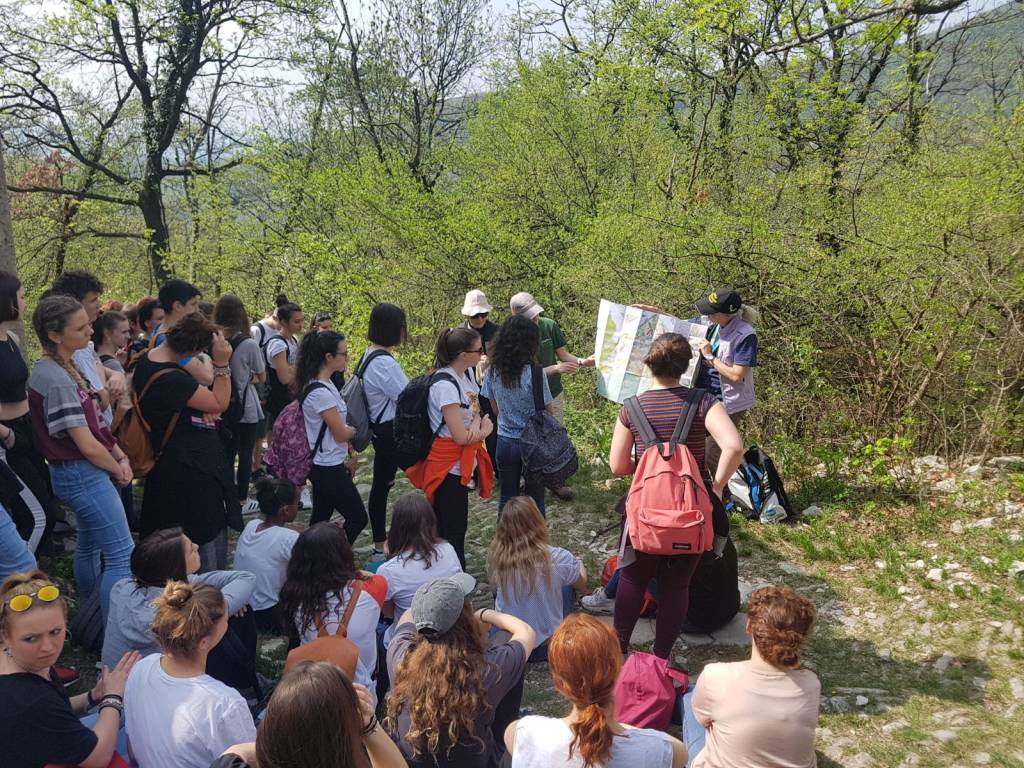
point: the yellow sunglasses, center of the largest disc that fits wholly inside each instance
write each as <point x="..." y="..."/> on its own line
<point x="47" y="594"/>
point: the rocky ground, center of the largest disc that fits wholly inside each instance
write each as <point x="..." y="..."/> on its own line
<point x="920" y="597"/>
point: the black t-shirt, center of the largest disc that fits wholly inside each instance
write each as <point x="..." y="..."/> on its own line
<point x="37" y="726"/>
<point x="166" y="397"/>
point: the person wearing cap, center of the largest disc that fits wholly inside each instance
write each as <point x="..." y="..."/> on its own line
<point x="476" y="309"/>
<point x="730" y="354"/>
<point x="482" y="686"/>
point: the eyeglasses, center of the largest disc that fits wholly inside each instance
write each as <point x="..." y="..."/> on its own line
<point x="480" y="315"/>
<point x="477" y="351"/>
<point x="21" y="603"/>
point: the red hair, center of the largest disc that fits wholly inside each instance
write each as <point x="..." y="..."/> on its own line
<point x="585" y="659"/>
<point x="780" y="620"/>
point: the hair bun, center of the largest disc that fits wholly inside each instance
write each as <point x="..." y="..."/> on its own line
<point x="177" y="593"/>
<point x="281" y="299"/>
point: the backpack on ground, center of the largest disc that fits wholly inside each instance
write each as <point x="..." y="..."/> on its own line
<point x="87" y="626"/>
<point x="413" y="435"/>
<point x="335" y="649"/>
<point x="133" y="432"/>
<point x="645" y="693"/>
<point x="668" y="508"/>
<point x="289" y="455"/>
<point x="358" y="406"/>
<point x="548" y="453"/>
<point x="757" y="489"/>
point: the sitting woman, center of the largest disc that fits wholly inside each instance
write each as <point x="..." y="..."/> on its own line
<point x="320" y="581"/>
<point x="176" y="715"/>
<point x="169" y="555"/>
<point x="191" y="484"/>
<point x="453" y="695"/>
<point x="585" y="662"/>
<point x="763" y="711"/>
<point x="317" y="718"/>
<point x="419" y="556"/>
<point x="265" y="547"/>
<point x="535" y="581"/>
<point x="39" y="724"/>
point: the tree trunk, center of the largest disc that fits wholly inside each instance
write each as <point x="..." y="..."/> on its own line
<point x="7" y="261"/>
<point x="152" y="206"/>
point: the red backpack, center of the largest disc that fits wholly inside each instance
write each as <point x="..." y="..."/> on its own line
<point x="668" y="508"/>
<point x="289" y="455"/>
<point x="645" y="693"/>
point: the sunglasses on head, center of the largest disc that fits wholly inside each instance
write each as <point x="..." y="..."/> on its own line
<point x="21" y="603"/>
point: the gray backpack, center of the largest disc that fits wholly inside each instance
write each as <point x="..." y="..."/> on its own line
<point x="357" y="406"/>
<point x="548" y="453"/>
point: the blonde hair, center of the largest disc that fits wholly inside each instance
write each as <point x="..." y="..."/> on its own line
<point x="185" y="614"/>
<point x="51" y="316"/>
<point x="25" y="583"/>
<point x="520" y="553"/>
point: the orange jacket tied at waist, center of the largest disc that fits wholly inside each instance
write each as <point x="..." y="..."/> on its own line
<point x="428" y="474"/>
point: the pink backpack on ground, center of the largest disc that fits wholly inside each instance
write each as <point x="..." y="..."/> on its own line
<point x="289" y="455"/>
<point x="668" y="508"/>
<point x="645" y="694"/>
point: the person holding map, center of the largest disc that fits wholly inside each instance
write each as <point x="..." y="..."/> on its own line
<point x="553" y="355"/>
<point x="730" y="354"/>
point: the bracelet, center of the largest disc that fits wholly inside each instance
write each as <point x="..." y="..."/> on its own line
<point x="90" y="700"/>
<point x="371" y="726"/>
<point x="112" y="702"/>
<point x="221" y="371"/>
<point x="117" y="696"/>
<point x="482" y="612"/>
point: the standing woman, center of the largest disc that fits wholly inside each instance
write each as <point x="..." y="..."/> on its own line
<point x="476" y="309"/>
<point x="508" y="386"/>
<point x="39" y="723"/>
<point x="668" y="359"/>
<point x="730" y="354"/>
<point x="323" y="411"/>
<point x="110" y="335"/>
<point x="190" y="484"/>
<point x="383" y="382"/>
<point x="87" y="467"/>
<point x="281" y="353"/>
<point x="457" y="454"/>
<point x="247" y="369"/>
<point x="16" y="439"/>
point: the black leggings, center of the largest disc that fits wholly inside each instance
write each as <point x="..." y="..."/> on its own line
<point x="333" y="490"/>
<point x="385" y="466"/>
<point x="30" y="467"/>
<point x="240" y="447"/>
<point x="451" y="506"/>
<point x="233" y="659"/>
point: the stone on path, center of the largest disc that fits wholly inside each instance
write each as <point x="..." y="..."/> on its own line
<point x="746" y="589"/>
<point x="793" y="569"/>
<point x="935" y="574"/>
<point x="860" y="760"/>
<point x="944" y="736"/>
<point x="981" y="758"/>
<point x="643" y="632"/>
<point x="733" y="633"/>
<point x="1017" y="687"/>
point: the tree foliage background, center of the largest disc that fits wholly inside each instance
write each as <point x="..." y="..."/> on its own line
<point x="854" y="167"/>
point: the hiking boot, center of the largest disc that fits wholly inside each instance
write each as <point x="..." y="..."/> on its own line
<point x="565" y="493"/>
<point x="598" y="602"/>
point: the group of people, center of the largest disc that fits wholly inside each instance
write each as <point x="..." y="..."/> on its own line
<point x="179" y="683"/>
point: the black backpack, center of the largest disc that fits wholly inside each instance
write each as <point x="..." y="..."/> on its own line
<point x="548" y="453"/>
<point x="232" y="416"/>
<point x="278" y="394"/>
<point x="413" y="435"/>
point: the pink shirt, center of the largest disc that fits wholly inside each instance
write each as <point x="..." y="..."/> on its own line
<point x="756" y="717"/>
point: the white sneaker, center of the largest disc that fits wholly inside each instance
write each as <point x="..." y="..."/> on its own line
<point x="378" y="556"/>
<point x="251" y="507"/>
<point x="598" y="602"/>
<point x="306" y="499"/>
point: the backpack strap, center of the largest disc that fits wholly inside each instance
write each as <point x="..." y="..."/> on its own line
<point x="357" y="589"/>
<point x="137" y="405"/>
<point x="435" y="377"/>
<point x="640" y="422"/>
<point x="364" y="363"/>
<point x="685" y="420"/>
<point x="537" y="382"/>
<point x="323" y="426"/>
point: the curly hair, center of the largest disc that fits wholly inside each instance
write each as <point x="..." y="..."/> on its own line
<point x="193" y="333"/>
<point x="780" y="620"/>
<point x="440" y="684"/>
<point x="520" y="554"/>
<point x="585" y="660"/>
<point x="321" y="566"/>
<point x="514" y="348"/>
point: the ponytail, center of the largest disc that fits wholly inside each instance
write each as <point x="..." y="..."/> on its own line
<point x="453" y="342"/>
<point x="313" y="352"/>
<point x="591" y="736"/>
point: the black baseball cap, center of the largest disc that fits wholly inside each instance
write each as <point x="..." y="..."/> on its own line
<point x="721" y="300"/>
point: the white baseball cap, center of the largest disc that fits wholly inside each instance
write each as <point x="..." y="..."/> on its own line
<point x="475" y="303"/>
<point x="524" y="304"/>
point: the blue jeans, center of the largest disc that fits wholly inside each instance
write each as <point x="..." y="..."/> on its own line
<point x="104" y="550"/>
<point x="693" y="732"/>
<point x="14" y="554"/>
<point x="510" y="472"/>
<point x="540" y="653"/>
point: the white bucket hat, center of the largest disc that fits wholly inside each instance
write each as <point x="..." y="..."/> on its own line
<point x="524" y="304"/>
<point x="475" y="303"/>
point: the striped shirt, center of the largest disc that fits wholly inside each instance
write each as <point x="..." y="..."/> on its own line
<point x="662" y="408"/>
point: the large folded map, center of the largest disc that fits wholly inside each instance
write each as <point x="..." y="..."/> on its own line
<point x="624" y="334"/>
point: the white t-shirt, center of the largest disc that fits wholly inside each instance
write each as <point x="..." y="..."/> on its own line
<point x="383" y="382"/>
<point x="279" y="344"/>
<point x="542" y="607"/>
<point x="320" y="399"/>
<point x="362" y="630"/>
<point x="405" y="576"/>
<point x="464" y="392"/>
<point x="89" y="365"/>
<point x="175" y="722"/>
<point x="265" y="554"/>
<point x="542" y="742"/>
